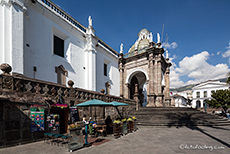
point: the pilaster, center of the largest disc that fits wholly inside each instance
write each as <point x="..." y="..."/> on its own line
<point x="121" y="70"/>
<point x="90" y="58"/>
<point x="11" y="33"/>
<point x="167" y="82"/>
<point x="127" y="90"/>
<point x="151" y="74"/>
<point x="159" y="95"/>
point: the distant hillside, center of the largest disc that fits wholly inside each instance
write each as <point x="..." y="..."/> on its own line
<point x="189" y="87"/>
<point x="184" y="88"/>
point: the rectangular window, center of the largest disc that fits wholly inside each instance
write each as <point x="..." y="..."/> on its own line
<point x="58" y="46"/>
<point x="105" y="69"/>
<point x="205" y="94"/>
<point x="197" y="94"/>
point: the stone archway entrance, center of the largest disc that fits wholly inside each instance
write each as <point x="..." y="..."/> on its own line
<point x="138" y="85"/>
<point x="145" y="68"/>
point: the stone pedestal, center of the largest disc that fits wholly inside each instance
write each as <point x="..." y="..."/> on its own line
<point x="167" y="102"/>
<point x="159" y="100"/>
<point x="151" y="98"/>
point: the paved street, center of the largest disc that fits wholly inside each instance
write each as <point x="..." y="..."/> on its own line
<point x="147" y="140"/>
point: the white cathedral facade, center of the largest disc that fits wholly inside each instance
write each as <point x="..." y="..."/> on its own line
<point x="40" y="40"/>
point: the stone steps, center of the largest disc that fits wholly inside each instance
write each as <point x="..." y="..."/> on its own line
<point x="171" y="116"/>
<point x="176" y="116"/>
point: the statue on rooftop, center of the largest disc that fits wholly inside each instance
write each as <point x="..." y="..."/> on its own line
<point x="167" y="54"/>
<point x="158" y="38"/>
<point x="90" y="21"/>
<point x="121" y="48"/>
<point x="151" y="37"/>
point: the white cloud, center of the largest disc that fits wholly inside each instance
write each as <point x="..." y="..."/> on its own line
<point x="174" y="45"/>
<point x="166" y="45"/>
<point x="174" y="76"/>
<point x="175" y="79"/>
<point x="226" y="54"/>
<point x="197" y="69"/>
<point x="218" y="53"/>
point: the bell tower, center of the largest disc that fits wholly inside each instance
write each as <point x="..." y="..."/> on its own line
<point x="144" y="72"/>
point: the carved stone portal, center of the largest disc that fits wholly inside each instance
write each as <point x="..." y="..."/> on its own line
<point x="144" y="72"/>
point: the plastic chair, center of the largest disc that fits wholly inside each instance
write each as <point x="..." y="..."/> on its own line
<point x="102" y="130"/>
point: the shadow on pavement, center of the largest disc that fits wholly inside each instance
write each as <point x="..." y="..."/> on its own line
<point x="184" y="120"/>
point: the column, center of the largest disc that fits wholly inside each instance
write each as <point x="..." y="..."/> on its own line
<point x="121" y="70"/>
<point x="136" y="97"/>
<point x="151" y="84"/>
<point x="159" y="101"/>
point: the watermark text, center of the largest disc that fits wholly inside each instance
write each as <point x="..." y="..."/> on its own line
<point x="200" y="147"/>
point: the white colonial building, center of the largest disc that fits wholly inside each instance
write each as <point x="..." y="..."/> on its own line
<point x="40" y="40"/>
<point x="203" y="91"/>
<point x="180" y="101"/>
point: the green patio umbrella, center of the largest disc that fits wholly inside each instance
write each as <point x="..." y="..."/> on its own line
<point x="114" y="103"/>
<point x="94" y="102"/>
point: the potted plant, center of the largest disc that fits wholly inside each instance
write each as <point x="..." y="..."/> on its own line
<point x="134" y="121"/>
<point x="117" y="128"/>
<point x="130" y="125"/>
<point x="124" y="126"/>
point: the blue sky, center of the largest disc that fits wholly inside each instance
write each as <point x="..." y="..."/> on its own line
<point x="198" y="31"/>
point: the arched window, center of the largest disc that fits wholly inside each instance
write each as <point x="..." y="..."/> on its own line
<point x="61" y="74"/>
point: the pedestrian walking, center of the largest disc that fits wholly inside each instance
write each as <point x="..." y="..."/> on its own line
<point x="227" y="114"/>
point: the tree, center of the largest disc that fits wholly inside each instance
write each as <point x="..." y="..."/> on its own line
<point x="228" y="79"/>
<point x="220" y="99"/>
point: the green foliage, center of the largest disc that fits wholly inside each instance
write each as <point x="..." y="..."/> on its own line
<point x="117" y="121"/>
<point x="221" y="99"/>
<point x="228" y="79"/>
<point x="130" y="119"/>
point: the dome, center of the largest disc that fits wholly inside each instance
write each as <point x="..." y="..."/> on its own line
<point x="144" y="38"/>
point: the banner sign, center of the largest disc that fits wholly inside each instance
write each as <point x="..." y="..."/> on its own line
<point x="74" y="115"/>
<point x="54" y="122"/>
<point x="37" y="118"/>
